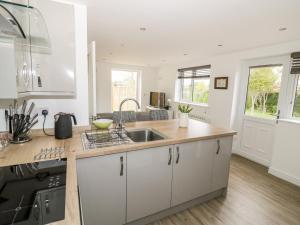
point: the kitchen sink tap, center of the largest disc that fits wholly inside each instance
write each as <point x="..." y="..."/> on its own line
<point x="120" y="123"/>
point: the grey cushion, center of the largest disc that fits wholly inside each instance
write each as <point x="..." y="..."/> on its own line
<point x="127" y="116"/>
<point x="142" y="116"/>
<point x="160" y="114"/>
<point x="105" y="116"/>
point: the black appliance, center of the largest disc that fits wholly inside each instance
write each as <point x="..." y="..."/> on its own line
<point x="63" y="125"/>
<point x="33" y="193"/>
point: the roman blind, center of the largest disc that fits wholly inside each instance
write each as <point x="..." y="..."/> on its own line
<point x="195" y="72"/>
<point x="295" y="64"/>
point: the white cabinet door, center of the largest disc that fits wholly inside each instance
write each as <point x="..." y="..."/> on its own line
<point x="53" y="47"/>
<point x="102" y="186"/>
<point x="192" y="171"/>
<point x="222" y="153"/>
<point x="149" y="177"/>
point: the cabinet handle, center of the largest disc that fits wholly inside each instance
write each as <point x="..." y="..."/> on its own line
<point x="47" y="207"/>
<point x="80" y="206"/>
<point x="122" y="166"/>
<point x="178" y="155"/>
<point x="218" y="149"/>
<point x="170" y="156"/>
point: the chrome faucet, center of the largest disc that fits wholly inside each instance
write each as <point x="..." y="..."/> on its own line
<point x="120" y="122"/>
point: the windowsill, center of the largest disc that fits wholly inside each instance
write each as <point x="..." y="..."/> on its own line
<point x="294" y="121"/>
<point x="260" y="119"/>
<point x="193" y="104"/>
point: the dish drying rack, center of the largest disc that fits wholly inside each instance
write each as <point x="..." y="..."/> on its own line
<point x="97" y="138"/>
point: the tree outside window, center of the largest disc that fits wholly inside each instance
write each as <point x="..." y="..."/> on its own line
<point x="263" y="91"/>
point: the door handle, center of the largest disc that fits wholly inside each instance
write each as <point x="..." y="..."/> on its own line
<point x="170" y="156"/>
<point x="122" y="166"/>
<point x="178" y="155"/>
<point x="219" y="147"/>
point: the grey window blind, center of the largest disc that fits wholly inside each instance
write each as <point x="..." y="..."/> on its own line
<point x="295" y="64"/>
<point x="195" y="72"/>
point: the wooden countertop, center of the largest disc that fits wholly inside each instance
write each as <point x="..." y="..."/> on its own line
<point x="24" y="153"/>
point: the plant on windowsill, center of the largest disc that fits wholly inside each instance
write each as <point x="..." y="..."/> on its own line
<point x="184" y="115"/>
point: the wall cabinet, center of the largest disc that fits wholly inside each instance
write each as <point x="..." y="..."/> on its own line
<point x="42" y="61"/>
<point x="192" y="171"/>
<point x="102" y="187"/>
<point x="149" y="177"/>
<point x="52" y="48"/>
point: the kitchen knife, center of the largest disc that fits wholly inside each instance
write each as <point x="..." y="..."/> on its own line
<point x="29" y="127"/>
<point x="10" y="119"/>
<point x="6" y="120"/>
<point x="21" y="121"/>
<point x="27" y="124"/>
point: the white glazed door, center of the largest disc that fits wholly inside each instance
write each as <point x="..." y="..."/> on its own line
<point x="192" y="171"/>
<point x="222" y="149"/>
<point x="149" y="176"/>
<point x="268" y="91"/>
<point x="102" y="188"/>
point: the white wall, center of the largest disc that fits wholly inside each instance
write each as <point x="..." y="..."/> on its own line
<point x="148" y="82"/>
<point x="225" y="105"/>
<point x="79" y="104"/>
<point x="286" y="154"/>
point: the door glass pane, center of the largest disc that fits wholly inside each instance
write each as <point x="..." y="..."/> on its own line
<point x="296" y="111"/>
<point x="124" y="85"/>
<point x="187" y="90"/>
<point x="201" y="88"/>
<point x="263" y="91"/>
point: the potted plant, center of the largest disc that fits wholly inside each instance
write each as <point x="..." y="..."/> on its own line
<point x="184" y="115"/>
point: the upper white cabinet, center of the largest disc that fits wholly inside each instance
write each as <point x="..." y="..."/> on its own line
<point x="37" y="50"/>
<point x="192" y="171"/>
<point x="149" y="177"/>
<point x="102" y="188"/>
<point x="52" y="47"/>
<point x="222" y="153"/>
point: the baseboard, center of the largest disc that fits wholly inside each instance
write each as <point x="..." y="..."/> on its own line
<point x="284" y="176"/>
<point x="252" y="158"/>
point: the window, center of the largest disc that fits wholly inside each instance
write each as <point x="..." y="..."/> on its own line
<point x="263" y="91"/>
<point x="296" y="108"/>
<point x="194" y="84"/>
<point x="125" y="84"/>
<point x="295" y="71"/>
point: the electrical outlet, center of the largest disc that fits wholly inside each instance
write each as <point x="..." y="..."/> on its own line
<point x="40" y="110"/>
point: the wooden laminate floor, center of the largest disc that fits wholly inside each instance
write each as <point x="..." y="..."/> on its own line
<point x="254" y="198"/>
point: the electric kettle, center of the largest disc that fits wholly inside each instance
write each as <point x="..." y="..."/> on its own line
<point x="63" y="125"/>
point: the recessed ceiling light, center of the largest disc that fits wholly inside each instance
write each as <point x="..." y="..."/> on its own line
<point x="220" y="45"/>
<point x="282" y="29"/>
<point x="143" y="28"/>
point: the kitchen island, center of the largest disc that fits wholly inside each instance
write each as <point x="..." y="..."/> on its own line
<point x="197" y="132"/>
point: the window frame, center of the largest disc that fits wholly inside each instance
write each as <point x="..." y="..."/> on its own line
<point x="295" y="81"/>
<point x="138" y="88"/>
<point x="193" y="78"/>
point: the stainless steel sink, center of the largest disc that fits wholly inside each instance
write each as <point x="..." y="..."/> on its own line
<point x="145" y="135"/>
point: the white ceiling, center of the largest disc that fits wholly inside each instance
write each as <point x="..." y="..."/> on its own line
<point x="193" y="27"/>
